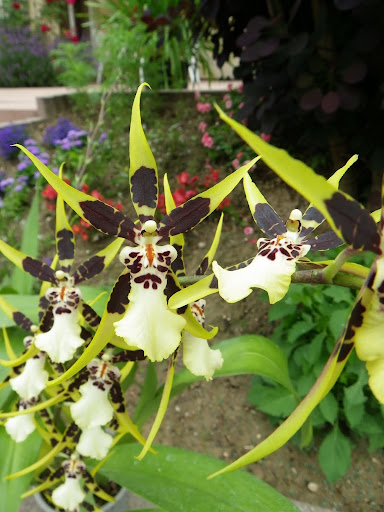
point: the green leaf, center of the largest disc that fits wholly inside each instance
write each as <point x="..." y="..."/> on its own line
<point x="16" y="456"/>
<point x="299" y="329"/>
<point x="248" y="354"/>
<point x="22" y="281"/>
<point x="337" y="321"/>
<point x="275" y="401"/>
<point x="148" y="391"/>
<point x="335" y="455"/>
<point x="329" y="408"/>
<point x="176" y="480"/>
<point x="281" y="310"/>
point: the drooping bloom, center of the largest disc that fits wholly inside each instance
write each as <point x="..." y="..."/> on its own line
<point x="33" y="379"/>
<point x="70" y="494"/>
<point x="94" y="408"/>
<point x="94" y="442"/>
<point x="20" y="427"/>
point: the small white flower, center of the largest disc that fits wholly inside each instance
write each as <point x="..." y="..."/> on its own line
<point x="68" y="495"/>
<point x="20" y="427"/>
<point x="33" y="378"/>
<point x="62" y="341"/>
<point x="93" y="409"/>
<point x="94" y="442"/>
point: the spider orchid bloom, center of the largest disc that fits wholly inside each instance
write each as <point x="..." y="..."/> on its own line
<point x="70" y="494"/>
<point x="141" y="292"/>
<point x="33" y="378"/>
<point x="20" y="427"/>
<point x="94" y="408"/>
<point x="94" y="442"/>
<point x="198" y="357"/>
<point x="63" y="339"/>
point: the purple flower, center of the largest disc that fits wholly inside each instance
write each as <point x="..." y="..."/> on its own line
<point x="59" y="131"/>
<point x="12" y="134"/>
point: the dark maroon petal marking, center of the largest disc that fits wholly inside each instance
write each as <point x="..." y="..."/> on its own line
<point x="325" y="241"/>
<point x="268" y="220"/>
<point x="312" y="214"/>
<point x="107" y="219"/>
<point x="355" y="320"/>
<point x="119" y="295"/>
<point x="65" y="246"/>
<point x="46" y="321"/>
<point x="144" y="187"/>
<point x="171" y="288"/>
<point x="89" y="269"/>
<point x="85" y="334"/>
<point x="39" y="269"/>
<point x="185" y="217"/>
<point x="117" y="397"/>
<point x="90" y="315"/>
<point x="214" y="284"/>
<point x="380" y="289"/>
<point x="178" y="263"/>
<point x="202" y="267"/>
<point x="21" y="320"/>
<point x="128" y="355"/>
<point x="354" y="222"/>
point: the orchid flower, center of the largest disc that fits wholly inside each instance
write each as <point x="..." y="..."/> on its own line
<point x="61" y="332"/>
<point x="20" y="427"/>
<point x="138" y="308"/>
<point x="70" y="494"/>
<point x="94" y="442"/>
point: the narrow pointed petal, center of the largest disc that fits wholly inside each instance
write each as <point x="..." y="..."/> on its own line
<point x="95" y="443"/>
<point x="199" y="358"/>
<point x="346" y="216"/>
<point x="271" y="271"/>
<point x="195" y="328"/>
<point x="68" y="495"/>
<point x="102" y="216"/>
<point x="264" y="215"/>
<point x="97" y="263"/>
<point x="312" y="218"/>
<point x="176" y="241"/>
<point x="19" y="318"/>
<point x="34" y="267"/>
<point x="142" y="169"/>
<point x="35" y="408"/>
<point x="149" y="325"/>
<point x="324" y="241"/>
<point x="31" y="352"/>
<point x="62" y="341"/>
<point x="193" y="292"/>
<point x="161" y="410"/>
<point x="188" y="215"/>
<point x="65" y="239"/>
<point x="41" y="463"/>
<point x="8" y="347"/>
<point x="208" y="258"/>
<point x="89" y="315"/>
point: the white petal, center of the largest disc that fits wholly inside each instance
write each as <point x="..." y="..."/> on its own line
<point x="199" y="358"/>
<point x="93" y="409"/>
<point x="19" y="427"/>
<point x="68" y="495"/>
<point x="271" y="275"/>
<point x="94" y="442"/>
<point x="149" y="325"/>
<point x="61" y="342"/>
<point x="32" y="380"/>
<point x="376" y="378"/>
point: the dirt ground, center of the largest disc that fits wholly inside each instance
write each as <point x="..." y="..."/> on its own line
<point x="215" y="417"/>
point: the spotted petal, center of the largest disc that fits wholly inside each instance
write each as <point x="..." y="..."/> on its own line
<point x="271" y="271"/>
<point x="102" y="216"/>
<point x="346" y="216"/>
<point x="176" y="241"/>
<point x="142" y="170"/>
<point x="65" y="239"/>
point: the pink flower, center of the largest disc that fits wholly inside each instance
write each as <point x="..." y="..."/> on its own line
<point x="228" y="104"/>
<point x="253" y="241"/>
<point x="240" y="89"/>
<point x="202" y="126"/>
<point x="71" y="2"/>
<point x="239" y="155"/>
<point x="207" y="140"/>
<point x="197" y="95"/>
<point x="229" y="87"/>
<point x="248" y="230"/>
<point x="45" y="28"/>
<point x="266" y="136"/>
<point x="236" y="163"/>
<point x="203" y="108"/>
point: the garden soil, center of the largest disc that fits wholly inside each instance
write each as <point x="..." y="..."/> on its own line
<point x="216" y="418"/>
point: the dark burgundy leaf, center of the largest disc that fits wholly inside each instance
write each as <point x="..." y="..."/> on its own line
<point x="297" y="44"/>
<point x="330" y="102"/>
<point x="355" y="73"/>
<point x="311" y="99"/>
<point x="349" y="98"/>
<point x="260" y="49"/>
<point x="252" y="31"/>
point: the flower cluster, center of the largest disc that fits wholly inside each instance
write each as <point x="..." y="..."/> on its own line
<point x="12" y="134"/>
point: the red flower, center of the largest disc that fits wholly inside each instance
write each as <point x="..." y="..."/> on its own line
<point x="96" y="193"/>
<point x="16" y="5"/>
<point x="45" y="28"/>
<point x="224" y="203"/>
<point x="85" y="188"/>
<point x="266" y="136"/>
<point x="71" y="2"/>
<point x="49" y="193"/>
<point x="183" y="178"/>
<point x="75" y="39"/>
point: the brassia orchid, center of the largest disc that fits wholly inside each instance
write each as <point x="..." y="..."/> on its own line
<point x="137" y="308"/>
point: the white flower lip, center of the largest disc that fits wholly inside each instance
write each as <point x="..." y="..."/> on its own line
<point x="62" y="341"/>
<point x="32" y="380"/>
<point x="20" y="427"/>
<point x="68" y="495"/>
<point x="93" y="409"/>
<point x="199" y="358"/>
<point x="94" y="442"/>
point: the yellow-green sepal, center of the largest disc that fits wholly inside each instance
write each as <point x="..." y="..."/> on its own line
<point x="178" y="240"/>
<point x="194" y="292"/>
<point x="31" y="352"/>
<point x="208" y="258"/>
<point x="346" y="216"/>
<point x="44" y="461"/>
<point x="196" y="329"/>
<point x="142" y="169"/>
<point x="65" y="239"/>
